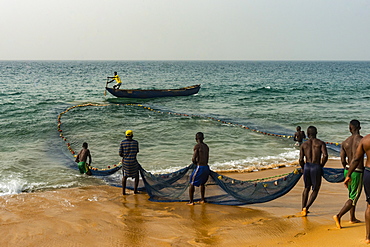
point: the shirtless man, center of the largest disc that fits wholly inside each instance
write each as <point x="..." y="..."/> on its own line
<point x="363" y="148"/>
<point x="347" y="153"/>
<point x="299" y="136"/>
<point x="200" y="174"/>
<point x="312" y="158"/>
<point x="81" y="159"/>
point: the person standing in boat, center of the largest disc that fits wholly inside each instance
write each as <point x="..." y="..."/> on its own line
<point x="130" y="167"/>
<point x="117" y="79"/>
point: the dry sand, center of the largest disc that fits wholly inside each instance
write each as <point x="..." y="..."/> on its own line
<point x="101" y="216"/>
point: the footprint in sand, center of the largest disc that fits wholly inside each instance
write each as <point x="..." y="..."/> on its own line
<point x="290" y="216"/>
<point x="299" y="234"/>
<point x="260" y="221"/>
<point x="169" y="208"/>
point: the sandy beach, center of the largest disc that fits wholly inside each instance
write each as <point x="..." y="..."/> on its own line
<point x="101" y="216"/>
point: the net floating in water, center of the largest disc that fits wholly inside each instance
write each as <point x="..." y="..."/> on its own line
<point x="173" y="187"/>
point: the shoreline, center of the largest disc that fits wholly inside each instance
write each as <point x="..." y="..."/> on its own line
<point x="101" y="216"/>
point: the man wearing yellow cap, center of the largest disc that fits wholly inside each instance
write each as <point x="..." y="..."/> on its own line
<point x="130" y="167"/>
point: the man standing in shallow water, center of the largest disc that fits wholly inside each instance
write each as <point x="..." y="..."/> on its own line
<point x="312" y="158"/>
<point x="347" y="153"/>
<point x="363" y="148"/>
<point x="81" y="159"/>
<point x="200" y="174"/>
<point x="299" y="136"/>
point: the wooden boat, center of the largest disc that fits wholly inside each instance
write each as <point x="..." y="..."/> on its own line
<point x="153" y="93"/>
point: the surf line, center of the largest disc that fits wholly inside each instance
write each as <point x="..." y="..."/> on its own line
<point x="73" y="152"/>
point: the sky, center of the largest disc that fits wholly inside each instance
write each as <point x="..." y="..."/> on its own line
<point x="185" y="30"/>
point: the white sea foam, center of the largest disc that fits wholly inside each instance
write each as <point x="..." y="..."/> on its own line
<point x="167" y="170"/>
<point x="12" y="185"/>
<point x="16" y="184"/>
<point x="257" y="162"/>
<point x="288" y="157"/>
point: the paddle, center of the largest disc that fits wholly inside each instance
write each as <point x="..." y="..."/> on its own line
<point x="105" y="89"/>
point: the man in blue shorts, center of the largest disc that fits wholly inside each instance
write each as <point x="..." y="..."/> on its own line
<point x="347" y="153"/>
<point x="312" y="158"/>
<point x="363" y="148"/>
<point x="200" y="174"/>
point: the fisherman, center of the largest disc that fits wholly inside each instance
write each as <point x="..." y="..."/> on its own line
<point x="81" y="159"/>
<point x="200" y="174"/>
<point x="299" y="136"/>
<point x="117" y="79"/>
<point x="312" y="158"/>
<point x="362" y="149"/>
<point x="130" y="166"/>
<point x="347" y="154"/>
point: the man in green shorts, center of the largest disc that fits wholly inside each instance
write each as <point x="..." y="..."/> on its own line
<point x="81" y="159"/>
<point x="347" y="154"/>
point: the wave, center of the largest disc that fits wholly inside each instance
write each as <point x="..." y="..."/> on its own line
<point x="267" y="89"/>
<point x="257" y="163"/>
<point x="12" y="185"/>
<point x="289" y="158"/>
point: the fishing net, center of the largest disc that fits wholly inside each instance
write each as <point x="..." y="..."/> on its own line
<point x="224" y="190"/>
<point x="220" y="189"/>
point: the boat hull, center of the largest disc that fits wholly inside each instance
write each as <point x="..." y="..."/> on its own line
<point x="153" y="93"/>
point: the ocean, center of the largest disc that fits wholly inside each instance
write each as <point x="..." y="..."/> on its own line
<point x="269" y="96"/>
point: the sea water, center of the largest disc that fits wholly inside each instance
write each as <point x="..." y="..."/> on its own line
<point x="270" y="96"/>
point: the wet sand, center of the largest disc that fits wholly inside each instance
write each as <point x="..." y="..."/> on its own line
<point x="101" y="216"/>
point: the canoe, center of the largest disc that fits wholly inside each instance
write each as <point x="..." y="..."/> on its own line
<point x="153" y="93"/>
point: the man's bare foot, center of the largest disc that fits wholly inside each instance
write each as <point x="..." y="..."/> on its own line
<point x="304" y="212"/>
<point x="337" y="221"/>
<point x="354" y="221"/>
<point x="190" y="203"/>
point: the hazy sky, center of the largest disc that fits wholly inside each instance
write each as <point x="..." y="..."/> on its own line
<point x="185" y="30"/>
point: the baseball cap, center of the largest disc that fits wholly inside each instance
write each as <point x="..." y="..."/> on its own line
<point x="129" y="133"/>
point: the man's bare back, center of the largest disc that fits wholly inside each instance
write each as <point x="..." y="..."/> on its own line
<point x="312" y="150"/>
<point x="83" y="154"/>
<point x="349" y="147"/>
<point x="201" y="153"/>
<point x="312" y="157"/>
